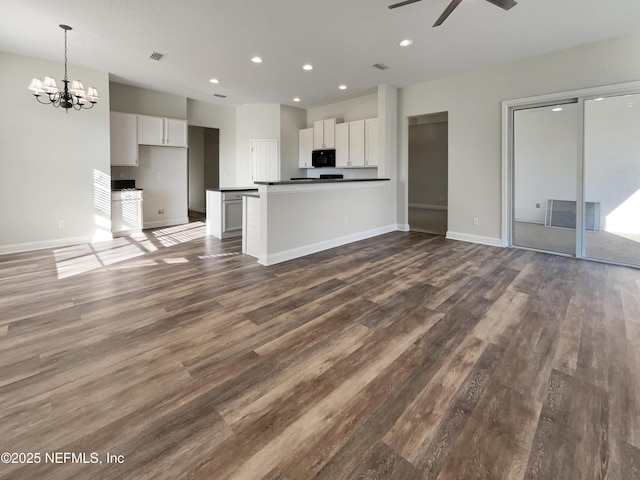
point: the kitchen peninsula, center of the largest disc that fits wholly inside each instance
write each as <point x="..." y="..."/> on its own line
<point x="294" y="218"/>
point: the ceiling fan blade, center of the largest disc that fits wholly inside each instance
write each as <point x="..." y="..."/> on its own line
<point x="447" y="11"/>
<point x="402" y="4"/>
<point x="504" y="4"/>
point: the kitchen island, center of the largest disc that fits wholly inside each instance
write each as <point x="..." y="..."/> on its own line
<point x="293" y="218"/>
<point x="224" y="211"/>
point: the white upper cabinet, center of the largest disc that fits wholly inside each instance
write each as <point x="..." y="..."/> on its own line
<point x="175" y="132"/>
<point x="305" y="147"/>
<point x="371" y="146"/>
<point x="324" y="132"/>
<point x="124" y="139"/>
<point x="168" y="132"/>
<point x="342" y="145"/>
<point x="356" y="144"/>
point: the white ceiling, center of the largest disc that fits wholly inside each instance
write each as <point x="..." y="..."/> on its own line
<point x="341" y="38"/>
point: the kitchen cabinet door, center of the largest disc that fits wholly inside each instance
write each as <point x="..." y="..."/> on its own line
<point x="357" y="143"/>
<point x="305" y="147"/>
<point x="324" y="132"/>
<point x="371" y="151"/>
<point x="150" y="130"/>
<point x="124" y="139"/>
<point x="231" y="216"/>
<point x="342" y="145"/>
<point x="175" y="132"/>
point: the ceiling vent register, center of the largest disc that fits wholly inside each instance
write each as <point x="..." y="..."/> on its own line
<point x="157" y="56"/>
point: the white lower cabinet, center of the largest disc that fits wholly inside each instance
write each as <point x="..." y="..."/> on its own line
<point x="224" y="213"/>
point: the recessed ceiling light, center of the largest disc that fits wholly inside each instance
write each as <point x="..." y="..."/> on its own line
<point x="256" y="60"/>
<point x="214" y="80"/>
<point x="342" y="87"/>
<point x="406" y="42"/>
<point x="557" y="109"/>
<point x="599" y="99"/>
<point x="296" y="99"/>
<point x="307" y="67"/>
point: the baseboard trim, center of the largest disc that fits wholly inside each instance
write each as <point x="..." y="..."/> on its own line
<point x="279" y="257"/>
<point x="429" y="207"/>
<point x="403" y="227"/>
<point x="466" y="237"/>
<point x="199" y="210"/>
<point x="166" y="223"/>
<point x="57" y="243"/>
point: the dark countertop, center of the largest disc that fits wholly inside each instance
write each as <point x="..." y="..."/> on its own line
<point x="124" y="189"/>
<point x="233" y="189"/>
<point x="323" y="180"/>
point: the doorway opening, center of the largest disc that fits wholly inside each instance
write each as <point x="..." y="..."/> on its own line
<point x="428" y="173"/>
<point x="204" y="167"/>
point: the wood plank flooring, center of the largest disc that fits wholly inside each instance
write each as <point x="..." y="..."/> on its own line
<point x="406" y="356"/>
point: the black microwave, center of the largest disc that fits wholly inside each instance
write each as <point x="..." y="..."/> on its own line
<point x="323" y="158"/>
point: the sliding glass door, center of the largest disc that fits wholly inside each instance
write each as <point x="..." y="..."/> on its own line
<point x="545" y="151"/>
<point x="576" y="178"/>
<point x="612" y="179"/>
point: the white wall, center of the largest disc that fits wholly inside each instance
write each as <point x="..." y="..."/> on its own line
<point x="473" y="101"/>
<point x="253" y="122"/>
<point x="223" y="118"/>
<point x="359" y="108"/>
<point x="612" y="161"/>
<point x="163" y="173"/>
<point x="53" y="165"/>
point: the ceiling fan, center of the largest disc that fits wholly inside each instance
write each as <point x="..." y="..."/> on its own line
<point x="504" y="4"/>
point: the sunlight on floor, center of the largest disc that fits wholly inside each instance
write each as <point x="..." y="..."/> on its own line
<point x="85" y="257"/>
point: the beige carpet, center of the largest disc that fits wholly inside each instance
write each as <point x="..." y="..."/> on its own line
<point x="620" y="248"/>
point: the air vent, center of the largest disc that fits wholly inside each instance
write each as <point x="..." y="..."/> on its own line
<point x="219" y="95"/>
<point x="380" y="66"/>
<point x="157" y="56"/>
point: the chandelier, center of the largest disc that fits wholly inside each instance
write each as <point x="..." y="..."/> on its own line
<point x="75" y="97"/>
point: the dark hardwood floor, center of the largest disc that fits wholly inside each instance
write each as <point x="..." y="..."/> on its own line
<point x="406" y="356"/>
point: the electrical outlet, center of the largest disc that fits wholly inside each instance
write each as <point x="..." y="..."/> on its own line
<point x="121" y="174"/>
<point x="346" y="221"/>
<point x="476" y="221"/>
<point x="60" y="223"/>
<point x="161" y="211"/>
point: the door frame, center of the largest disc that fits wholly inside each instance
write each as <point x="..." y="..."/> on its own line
<point x="507" y="181"/>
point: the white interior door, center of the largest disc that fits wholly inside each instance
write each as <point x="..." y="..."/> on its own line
<point x="264" y="161"/>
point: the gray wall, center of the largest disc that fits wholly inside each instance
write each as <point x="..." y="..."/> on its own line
<point x="211" y="158"/>
<point x="53" y="166"/>
<point x="210" y="115"/>
<point x="142" y="101"/>
<point x="197" y="197"/>
<point x="428" y="160"/>
<point x="291" y="121"/>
